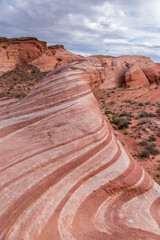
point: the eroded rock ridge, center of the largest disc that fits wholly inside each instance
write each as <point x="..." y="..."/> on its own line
<point x="64" y="175"/>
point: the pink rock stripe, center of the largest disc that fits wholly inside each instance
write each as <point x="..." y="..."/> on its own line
<point x="64" y="175"/>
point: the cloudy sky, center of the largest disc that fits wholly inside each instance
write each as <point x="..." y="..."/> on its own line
<point x="87" y="27"/>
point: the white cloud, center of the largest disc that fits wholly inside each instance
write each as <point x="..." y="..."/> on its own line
<point x="111" y="27"/>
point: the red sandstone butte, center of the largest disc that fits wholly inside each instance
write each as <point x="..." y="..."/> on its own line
<point x="18" y="51"/>
<point x="64" y="175"/>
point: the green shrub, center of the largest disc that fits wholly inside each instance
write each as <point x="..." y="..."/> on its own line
<point x="143" y="153"/>
<point x="108" y="112"/>
<point x="153" y="144"/>
<point x="125" y="132"/>
<point x="123" y="124"/>
<point x="143" y="142"/>
<point x="152" y="138"/>
<point x="116" y="120"/>
<point x="140" y="104"/>
<point x="152" y="150"/>
<point x="141" y="122"/>
<point x="123" y="114"/>
<point x="120" y="122"/>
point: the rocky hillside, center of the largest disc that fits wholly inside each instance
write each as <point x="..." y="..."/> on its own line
<point x="24" y="61"/>
<point x="28" y="50"/>
<point x="64" y="175"/>
<point x="18" y="83"/>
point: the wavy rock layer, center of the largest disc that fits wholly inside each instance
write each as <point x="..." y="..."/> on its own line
<point x="63" y="173"/>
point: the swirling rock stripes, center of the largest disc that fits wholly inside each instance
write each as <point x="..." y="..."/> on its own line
<point x="64" y="176"/>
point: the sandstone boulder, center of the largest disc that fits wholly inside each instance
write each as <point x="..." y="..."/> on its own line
<point x="135" y="77"/>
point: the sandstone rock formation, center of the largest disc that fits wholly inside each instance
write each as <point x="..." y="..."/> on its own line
<point x="152" y="95"/>
<point x="63" y="173"/>
<point x="18" y="51"/>
<point x="55" y="56"/>
<point x="135" y="77"/>
<point x="129" y="71"/>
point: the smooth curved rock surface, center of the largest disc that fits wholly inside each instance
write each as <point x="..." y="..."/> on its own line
<point x="129" y="71"/>
<point x="63" y="173"/>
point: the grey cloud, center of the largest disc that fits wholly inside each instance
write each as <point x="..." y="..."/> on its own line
<point x="88" y="26"/>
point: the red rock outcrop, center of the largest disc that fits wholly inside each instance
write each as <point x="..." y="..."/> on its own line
<point x="129" y="71"/>
<point x="152" y="95"/>
<point x="63" y="173"/>
<point x="114" y="72"/>
<point x="135" y="77"/>
<point x="18" y="51"/>
<point x="55" y="56"/>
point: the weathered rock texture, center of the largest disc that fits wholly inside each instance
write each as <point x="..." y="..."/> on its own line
<point x="18" y="51"/>
<point x="63" y="173"/>
<point x="129" y="71"/>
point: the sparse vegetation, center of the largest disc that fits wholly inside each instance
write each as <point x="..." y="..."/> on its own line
<point x="143" y="153"/>
<point x="125" y="131"/>
<point x="141" y="122"/>
<point x="18" y="82"/>
<point x="144" y="114"/>
<point x="157" y="180"/>
<point x="150" y="147"/>
<point x="120" y="122"/>
<point x="144" y="131"/>
<point x="108" y="112"/>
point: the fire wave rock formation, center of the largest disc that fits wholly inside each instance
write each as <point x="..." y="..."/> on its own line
<point x="63" y="173"/>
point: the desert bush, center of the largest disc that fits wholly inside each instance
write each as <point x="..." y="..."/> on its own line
<point x="150" y="147"/>
<point x="108" y="112"/>
<point x="111" y="102"/>
<point x="153" y="144"/>
<point x="123" y="124"/>
<point x="123" y="114"/>
<point x="152" y="150"/>
<point x="147" y="103"/>
<point x="143" y="153"/>
<point x="152" y="114"/>
<point x="125" y="131"/>
<point x="127" y="114"/>
<point x="116" y="120"/>
<point x="141" y="122"/>
<point x="141" y="104"/>
<point x="128" y="101"/>
<point x="152" y="138"/>
<point x="144" y="114"/>
<point x="120" y="122"/>
<point x="143" y="142"/>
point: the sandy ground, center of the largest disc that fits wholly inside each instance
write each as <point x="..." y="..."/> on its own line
<point x="133" y="102"/>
